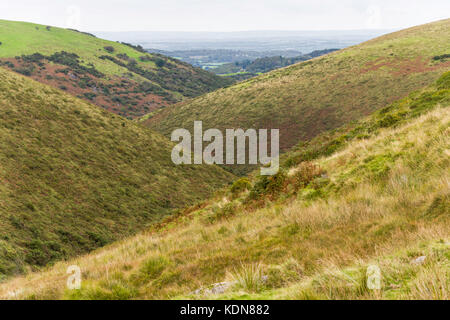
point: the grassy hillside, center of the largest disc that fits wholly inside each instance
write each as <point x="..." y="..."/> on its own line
<point x="75" y="177"/>
<point x="324" y="93"/>
<point x="381" y="198"/>
<point x="118" y="77"/>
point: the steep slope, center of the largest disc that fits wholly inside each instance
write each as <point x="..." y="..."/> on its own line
<point x="118" y="77"/>
<point x="75" y="177"/>
<point x="321" y="94"/>
<point x="311" y="232"/>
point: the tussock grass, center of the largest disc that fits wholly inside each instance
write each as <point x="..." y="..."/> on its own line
<point x="249" y="278"/>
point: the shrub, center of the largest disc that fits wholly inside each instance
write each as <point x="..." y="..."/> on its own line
<point x="89" y="95"/>
<point x="8" y="63"/>
<point x="137" y="48"/>
<point x="160" y="63"/>
<point x="219" y="213"/>
<point x="99" y="239"/>
<point x="240" y="186"/>
<point x="72" y="60"/>
<point x="269" y="185"/>
<point x="25" y="71"/>
<point x="442" y="57"/>
<point x="86" y="33"/>
<point x="109" y="49"/>
<point x="123" y="56"/>
<point x="40" y="253"/>
<point x="388" y="121"/>
<point x="306" y="173"/>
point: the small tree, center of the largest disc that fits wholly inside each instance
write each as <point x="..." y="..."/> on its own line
<point x="160" y="63"/>
<point x="240" y="186"/>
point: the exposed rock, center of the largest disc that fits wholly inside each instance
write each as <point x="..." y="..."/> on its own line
<point x="220" y="287"/>
<point x="216" y="288"/>
<point x="420" y="260"/>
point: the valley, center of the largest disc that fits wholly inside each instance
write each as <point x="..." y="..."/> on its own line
<point x="308" y="98"/>
<point x="88" y="180"/>
<point x="310" y="232"/>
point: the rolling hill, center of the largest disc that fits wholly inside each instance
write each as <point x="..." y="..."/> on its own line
<point x="75" y="177"/>
<point x="121" y="78"/>
<point x="380" y="199"/>
<point x="308" y="98"/>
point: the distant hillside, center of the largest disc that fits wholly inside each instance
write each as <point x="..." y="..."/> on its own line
<point x="75" y="177"/>
<point x="308" y="98"/>
<point x="120" y="78"/>
<point x="380" y="199"/>
<point x="263" y="65"/>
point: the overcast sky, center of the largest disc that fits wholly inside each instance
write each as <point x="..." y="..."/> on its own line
<point x="225" y="15"/>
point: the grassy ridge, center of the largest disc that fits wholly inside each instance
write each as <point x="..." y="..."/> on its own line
<point x="75" y="177"/>
<point x="127" y="80"/>
<point x="322" y="94"/>
<point x="310" y="232"/>
<point x="23" y="38"/>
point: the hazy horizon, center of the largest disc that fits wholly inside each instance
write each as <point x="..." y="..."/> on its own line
<point x="229" y="16"/>
<point x="303" y="41"/>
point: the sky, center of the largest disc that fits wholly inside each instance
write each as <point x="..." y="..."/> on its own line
<point x="225" y="15"/>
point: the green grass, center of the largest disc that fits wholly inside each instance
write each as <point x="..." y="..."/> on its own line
<point x="325" y="93"/>
<point x="75" y="177"/>
<point x="23" y="38"/>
